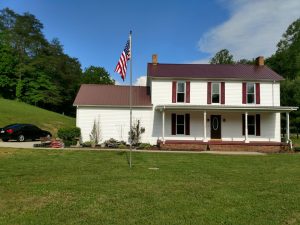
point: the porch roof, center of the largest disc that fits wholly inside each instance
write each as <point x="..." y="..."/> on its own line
<point x="226" y="108"/>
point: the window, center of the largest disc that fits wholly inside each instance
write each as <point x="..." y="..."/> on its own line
<point x="251" y="125"/>
<point x="180" y="91"/>
<point x="215" y="95"/>
<point x="250" y="93"/>
<point x="180" y="124"/>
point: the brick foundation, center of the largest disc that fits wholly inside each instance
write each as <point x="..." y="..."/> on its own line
<point x="268" y="147"/>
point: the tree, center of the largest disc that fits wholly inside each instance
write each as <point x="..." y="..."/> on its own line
<point x="41" y="91"/>
<point x="37" y="71"/>
<point x="246" y="61"/>
<point x="222" y="57"/>
<point x="136" y="132"/>
<point x="96" y="75"/>
<point x="290" y="96"/>
<point x="290" y="37"/>
<point x="95" y="135"/>
<point x="8" y="63"/>
<point x="286" y="60"/>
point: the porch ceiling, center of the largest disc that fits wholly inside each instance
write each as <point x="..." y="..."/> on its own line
<point x="226" y="108"/>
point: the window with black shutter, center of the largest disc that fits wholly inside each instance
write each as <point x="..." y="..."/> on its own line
<point x="253" y="124"/>
<point x="180" y="91"/>
<point x="180" y="124"/>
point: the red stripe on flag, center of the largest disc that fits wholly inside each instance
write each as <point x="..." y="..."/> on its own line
<point x="122" y="63"/>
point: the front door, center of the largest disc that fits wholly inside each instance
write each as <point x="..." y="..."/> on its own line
<point x="215" y="127"/>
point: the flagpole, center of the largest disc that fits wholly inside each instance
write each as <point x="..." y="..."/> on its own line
<point x="130" y="99"/>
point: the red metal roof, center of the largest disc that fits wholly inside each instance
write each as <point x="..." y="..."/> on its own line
<point x="213" y="71"/>
<point x="111" y="95"/>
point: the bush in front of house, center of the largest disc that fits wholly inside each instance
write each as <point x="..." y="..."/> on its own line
<point x="297" y="149"/>
<point x="113" y="143"/>
<point x="144" y="146"/>
<point x="87" y="144"/>
<point x="136" y="132"/>
<point x="69" y="135"/>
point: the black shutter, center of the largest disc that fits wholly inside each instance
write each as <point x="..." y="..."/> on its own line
<point x="257" y="122"/>
<point x="187" y="124"/>
<point x="173" y="124"/>
<point x="243" y="123"/>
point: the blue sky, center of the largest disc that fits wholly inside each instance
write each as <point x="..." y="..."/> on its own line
<point x="178" y="31"/>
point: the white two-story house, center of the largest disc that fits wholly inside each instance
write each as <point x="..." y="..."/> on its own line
<point x="194" y="106"/>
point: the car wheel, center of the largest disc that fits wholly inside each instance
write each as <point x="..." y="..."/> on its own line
<point x="21" y="138"/>
<point x="5" y="139"/>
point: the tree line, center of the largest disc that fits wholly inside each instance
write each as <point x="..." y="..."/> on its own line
<point x="37" y="71"/>
<point x="286" y="62"/>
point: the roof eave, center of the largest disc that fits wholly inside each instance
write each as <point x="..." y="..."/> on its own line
<point x="209" y="78"/>
<point x="228" y="108"/>
<point x="113" y="106"/>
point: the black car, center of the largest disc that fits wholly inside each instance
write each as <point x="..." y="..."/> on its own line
<point x="22" y="132"/>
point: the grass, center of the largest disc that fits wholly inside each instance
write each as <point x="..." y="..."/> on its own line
<point x="93" y="187"/>
<point x="18" y="112"/>
<point x="295" y="140"/>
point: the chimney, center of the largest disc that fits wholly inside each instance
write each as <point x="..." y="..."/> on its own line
<point x="154" y="59"/>
<point x="260" y="61"/>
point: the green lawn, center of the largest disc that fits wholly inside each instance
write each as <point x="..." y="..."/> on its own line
<point x="19" y="112"/>
<point x="92" y="187"/>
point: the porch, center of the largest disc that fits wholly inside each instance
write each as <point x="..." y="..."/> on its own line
<point x="218" y="127"/>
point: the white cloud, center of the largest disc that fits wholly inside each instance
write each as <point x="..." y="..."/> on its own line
<point x="254" y="27"/>
<point x="200" y="61"/>
<point x="141" y="81"/>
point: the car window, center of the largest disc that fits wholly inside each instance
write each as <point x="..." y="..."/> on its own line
<point x="13" y="126"/>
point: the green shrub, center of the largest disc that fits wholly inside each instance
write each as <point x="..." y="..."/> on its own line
<point x="144" y="146"/>
<point x="87" y="144"/>
<point x="297" y="149"/>
<point x="111" y="143"/>
<point x="69" y="135"/>
<point x="122" y="146"/>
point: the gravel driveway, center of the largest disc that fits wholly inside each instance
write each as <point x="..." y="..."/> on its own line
<point x="15" y="144"/>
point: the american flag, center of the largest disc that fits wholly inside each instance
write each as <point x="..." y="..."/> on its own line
<point x="122" y="64"/>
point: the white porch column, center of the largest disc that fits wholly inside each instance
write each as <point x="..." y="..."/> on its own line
<point x="287" y="127"/>
<point x="163" y="126"/>
<point x="204" y="127"/>
<point x="246" y="127"/>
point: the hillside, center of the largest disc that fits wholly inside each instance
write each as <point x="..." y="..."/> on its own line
<point x="18" y="112"/>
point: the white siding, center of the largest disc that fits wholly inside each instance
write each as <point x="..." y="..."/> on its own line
<point x="269" y="94"/>
<point x="196" y="126"/>
<point x="162" y="93"/>
<point x="198" y="92"/>
<point x="233" y="93"/>
<point x="114" y="122"/>
<point x="269" y="128"/>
